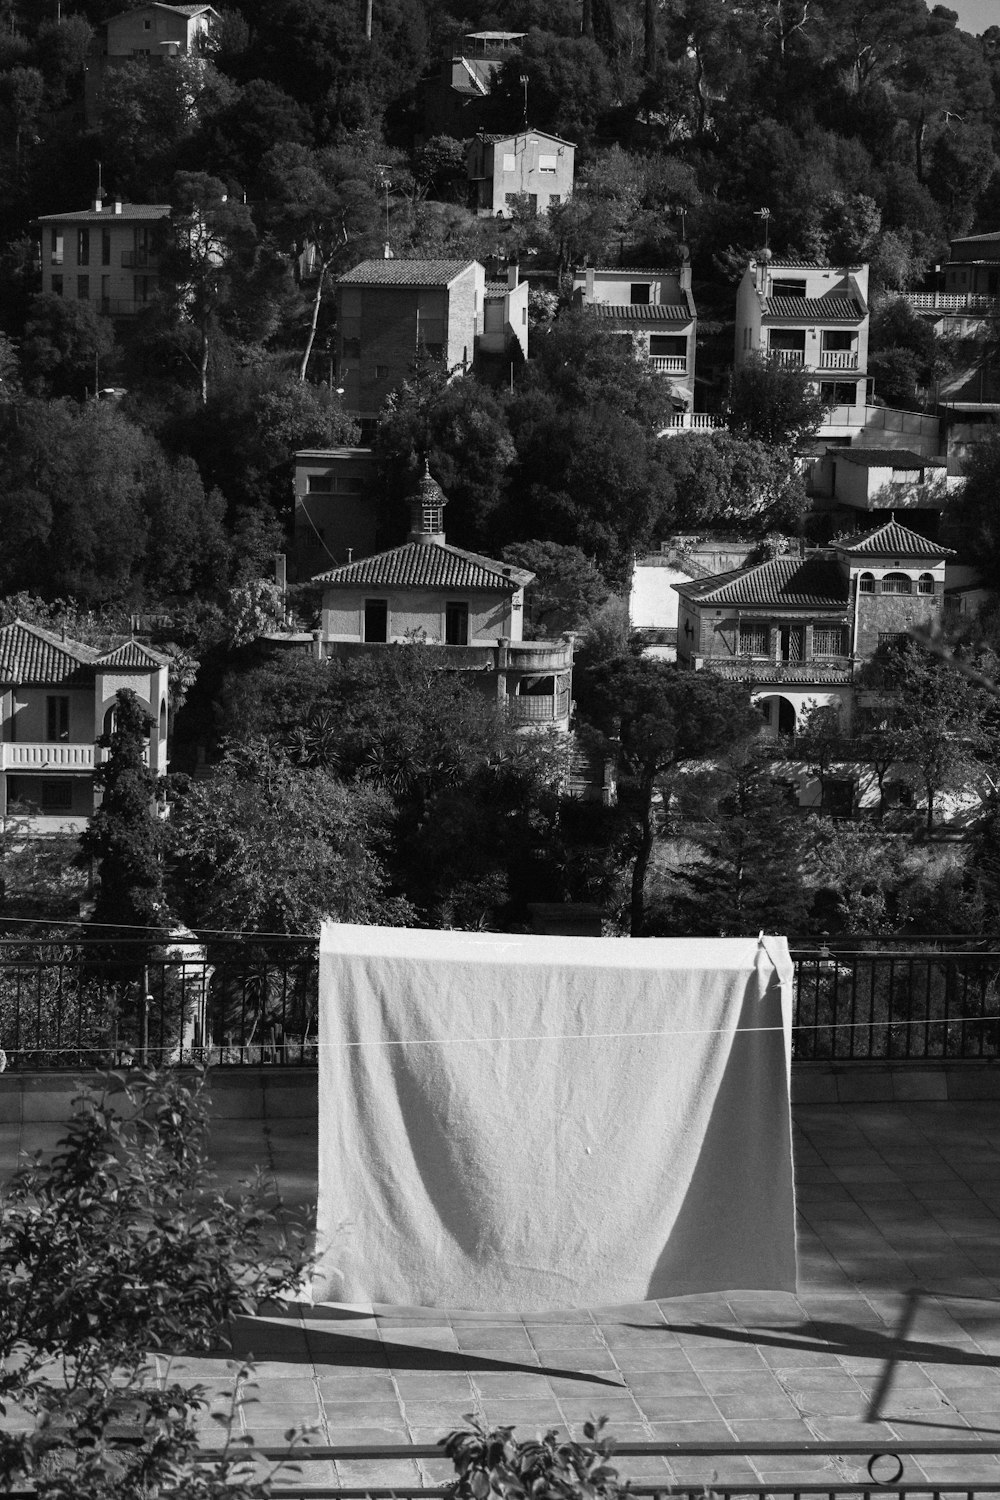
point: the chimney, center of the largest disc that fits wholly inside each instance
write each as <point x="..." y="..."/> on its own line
<point x="513" y="276"/>
<point x="98" y="205"/>
<point x="427" y="510"/>
<point x="118" y="205"/>
<point x="588" y="290"/>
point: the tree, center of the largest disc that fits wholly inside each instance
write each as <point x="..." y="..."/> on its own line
<point x="904" y="352"/>
<point x="269" y="847"/>
<point x="65" y="344"/>
<point x="662" y="717"/>
<point x="772" y="402"/>
<point x="209" y="252"/>
<point x="566" y="591"/>
<point x="324" y="205"/>
<point x="569" y="86"/>
<point x="458" y="427"/>
<point x="746" y="873"/>
<point x="125" y="836"/>
<point x="943" y="722"/>
<point x="725" y="482"/>
<point x="116" y="1245"/>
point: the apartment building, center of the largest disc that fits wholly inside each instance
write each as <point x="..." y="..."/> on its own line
<point x="653" y="307"/>
<point x="524" y="166"/>
<point x="106" y="255"/>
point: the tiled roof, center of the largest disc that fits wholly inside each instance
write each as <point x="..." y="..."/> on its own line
<point x="803" y="262"/>
<point x="494" y="137"/>
<point x="814" y="309"/>
<point x="816" y="581"/>
<point x="108" y="215"/>
<point x="627" y="271"/>
<point x="642" y="312"/>
<point x="893" y="540"/>
<point x="427" y="565"/>
<point x="31" y="655"/>
<point x="131" y="654"/>
<point x="885" y="458"/>
<point x="405" y="272"/>
<point x="497" y="289"/>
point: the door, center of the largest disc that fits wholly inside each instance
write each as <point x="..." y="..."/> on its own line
<point x="456" y="624"/>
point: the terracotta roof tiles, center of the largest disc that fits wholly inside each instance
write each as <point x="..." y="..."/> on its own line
<point x="814" y="309"/>
<point x="892" y="540"/>
<point x="642" y="312"/>
<point x="427" y="565"/>
<point x="29" y="654"/>
<point x="784" y="581"/>
<point x="405" y="272"/>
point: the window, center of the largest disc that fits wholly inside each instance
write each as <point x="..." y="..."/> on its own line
<point x="889" y="640"/>
<point x="381" y="372"/>
<point x="143" y="288"/>
<point x="838" y="339"/>
<point x="319" y="484"/>
<point x="57" y="796"/>
<point x="755" y="640"/>
<point x="793" y="643"/>
<point x="147" y="25"/>
<point x="639" y="294"/>
<point x="828" y="640"/>
<point x="83" y="288"/>
<point x="555" y="199"/>
<point x="56" y="719"/>
<point x="668" y="344"/>
<point x="105" y="294"/>
<point x="456" y="624"/>
<point x="57" y="289"/>
<point x="83" y="247"/>
<point x="352" y="349"/>
<point x="509" y="163"/>
<point x="925" y="583"/>
<point x="105" y="247"/>
<point x="896" y="583"/>
<point x="787" y="340"/>
<point x="546" y="163"/>
<point x="838" y="392"/>
<point x="377" y="620"/>
<point x="866" y="583"/>
<point x="56" y="255"/>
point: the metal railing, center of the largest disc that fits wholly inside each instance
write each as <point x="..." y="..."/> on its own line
<point x="73" y="1004"/>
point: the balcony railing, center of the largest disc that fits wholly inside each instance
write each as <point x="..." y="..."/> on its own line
<point x="952" y="302"/>
<point x="838" y="359"/>
<point x="788" y="356"/>
<point x="137" y="260"/>
<point x="72" y="1004"/>
<point x="669" y="364"/>
<point x="758" y="669"/>
<point x="537" y="708"/>
<point x="40" y="756"/>
<point x="693" y="421"/>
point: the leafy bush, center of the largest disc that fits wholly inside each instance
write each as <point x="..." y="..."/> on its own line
<point x="493" y="1462"/>
<point x="118" y="1245"/>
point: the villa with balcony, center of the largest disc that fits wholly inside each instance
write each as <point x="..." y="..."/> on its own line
<point x="106" y="255"/>
<point x="798" y="628"/>
<point x="814" y="317"/>
<point x="653" y="307"/>
<point x="469" y="609"/>
<point x="57" y="697"/>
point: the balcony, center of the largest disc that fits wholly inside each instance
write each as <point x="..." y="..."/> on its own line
<point x="538" y="708"/>
<point x="39" y="756"/>
<point x="968" y="302"/>
<point x="138" y="260"/>
<point x="669" y="364"/>
<point x="693" y="421"/>
<point x="832" y="669"/>
<point x="795" y="357"/>
<point x="838" y="359"/>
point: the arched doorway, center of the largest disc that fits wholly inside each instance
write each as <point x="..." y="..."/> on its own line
<point x="787" y="718"/>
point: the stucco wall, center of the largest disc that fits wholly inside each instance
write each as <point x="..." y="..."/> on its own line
<point x="111" y="282"/>
<point x="30" y="714"/>
<point x="490" y="615"/>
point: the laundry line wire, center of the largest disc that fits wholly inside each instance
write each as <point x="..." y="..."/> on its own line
<point x="582" y="1036"/>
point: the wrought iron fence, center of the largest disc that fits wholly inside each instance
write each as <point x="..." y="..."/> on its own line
<point x="74" y="1004"/>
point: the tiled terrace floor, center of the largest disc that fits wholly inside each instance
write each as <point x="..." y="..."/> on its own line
<point x="894" y="1335"/>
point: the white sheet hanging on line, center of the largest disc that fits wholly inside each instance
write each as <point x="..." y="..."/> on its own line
<point x="515" y="1123"/>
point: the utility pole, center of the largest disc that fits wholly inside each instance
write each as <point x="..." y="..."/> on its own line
<point x="369" y="5"/>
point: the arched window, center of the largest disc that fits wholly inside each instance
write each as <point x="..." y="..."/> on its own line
<point x="163" y="718"/>
<point x="866" y="583"/>
<point x="897" y="583"/>
<point x="925" y="583"/>
<point x="111" y="720"/>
